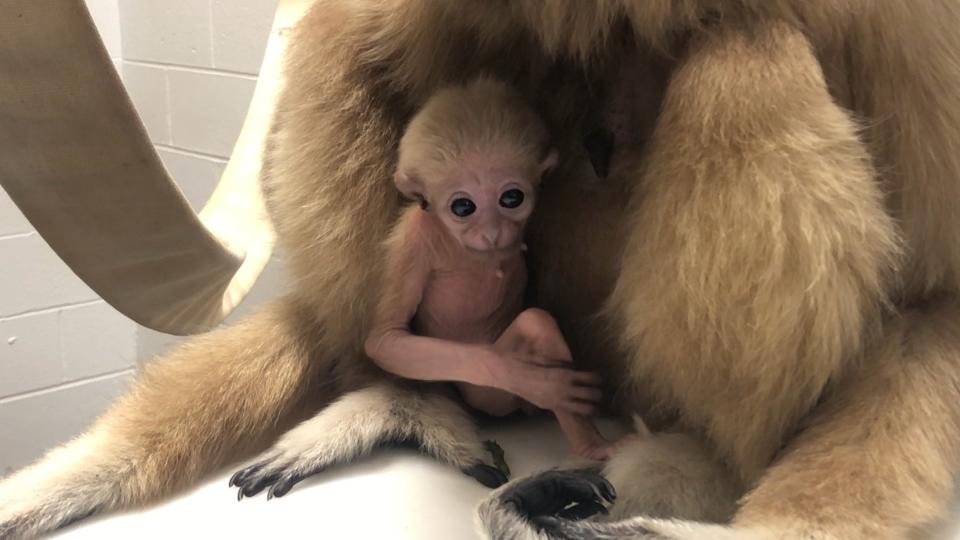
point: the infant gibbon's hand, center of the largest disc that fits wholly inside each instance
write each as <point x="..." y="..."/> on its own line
<point x="551" y="384"/>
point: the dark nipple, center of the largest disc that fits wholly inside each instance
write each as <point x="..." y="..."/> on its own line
<point x="599" y="146"/>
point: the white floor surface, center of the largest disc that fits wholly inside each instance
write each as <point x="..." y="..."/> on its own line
<point x="393" y="495"/>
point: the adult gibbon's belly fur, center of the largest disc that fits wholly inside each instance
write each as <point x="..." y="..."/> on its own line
<point x="577" y="235"/>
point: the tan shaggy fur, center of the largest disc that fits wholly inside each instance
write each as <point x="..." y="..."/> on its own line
<point x="772" y="264"/>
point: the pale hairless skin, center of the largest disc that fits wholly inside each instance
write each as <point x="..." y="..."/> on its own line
<point x="453" y="307"/>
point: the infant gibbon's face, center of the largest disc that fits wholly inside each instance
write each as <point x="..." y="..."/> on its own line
<point x="485" y="209"/>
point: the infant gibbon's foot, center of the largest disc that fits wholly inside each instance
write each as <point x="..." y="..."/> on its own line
<point x="594" y="452"/>
<point x="603" y="450"/>
<point x="584" y="439"/>
<point x="586" y="442"/>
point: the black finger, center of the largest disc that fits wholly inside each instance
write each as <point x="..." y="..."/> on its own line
<point x="490" y="477"/>
<point x="552" y="491"/>
<point x="259" y="484"/>
<point x="283" y="485"/>
<point x="606" y="489"/>
<point x="583" y="510"/>
<point x="599" y="481"/>
<point x="240" y="476"/>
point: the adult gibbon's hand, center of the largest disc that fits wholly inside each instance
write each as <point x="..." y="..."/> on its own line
<point x="566" y="494"/>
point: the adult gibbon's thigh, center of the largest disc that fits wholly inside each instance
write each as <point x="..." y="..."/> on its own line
<point x="754" y="274"/>
<point x="881" y="455"/>
<point x="760" y="249"/>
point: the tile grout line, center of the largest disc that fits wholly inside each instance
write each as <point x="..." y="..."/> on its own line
<point x="192" y="69"/>
<point x="66" y="386"/>
<point x="192" y="153"/>
<point x="17" y="236"/>
<point x="168" y="104"/>
<point x="213" y="54"/>
<point x="50" y="309"/>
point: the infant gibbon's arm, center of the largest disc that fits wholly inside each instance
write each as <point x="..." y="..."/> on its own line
<point x="393" y="347"/>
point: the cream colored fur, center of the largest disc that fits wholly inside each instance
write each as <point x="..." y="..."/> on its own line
<point x="775" y="266"/>
<point x="701" y="489"/>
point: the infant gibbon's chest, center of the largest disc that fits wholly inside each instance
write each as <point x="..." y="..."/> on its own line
<point x="472" y="303"/>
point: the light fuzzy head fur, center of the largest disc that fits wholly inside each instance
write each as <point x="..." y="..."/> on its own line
<point x="484" y="117"/>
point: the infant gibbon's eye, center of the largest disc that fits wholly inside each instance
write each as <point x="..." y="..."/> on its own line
<point x="463" y="207"/>
<point x="511" y="198"/>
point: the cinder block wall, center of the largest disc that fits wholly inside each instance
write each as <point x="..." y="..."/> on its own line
<point x="190" y="67"/>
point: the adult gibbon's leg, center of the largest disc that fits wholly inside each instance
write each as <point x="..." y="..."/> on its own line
<point x="212" y="398"/>
<point x="356" y="73"/>
<point x="754" y="272"/>
<point x="880" y="456"/>
<point x="877" y="461"/>
<point x="359" y="422"/>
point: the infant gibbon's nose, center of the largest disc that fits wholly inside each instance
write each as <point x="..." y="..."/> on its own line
<point x="491" y="237"/>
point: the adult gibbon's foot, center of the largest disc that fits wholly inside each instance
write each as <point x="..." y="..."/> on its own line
<point x="569" y="494"/>
<point x="361" y="421"/>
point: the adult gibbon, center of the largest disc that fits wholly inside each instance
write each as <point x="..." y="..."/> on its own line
<point x="752" y="232"/>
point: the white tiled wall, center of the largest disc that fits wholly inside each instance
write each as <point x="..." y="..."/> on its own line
<point x="190" y="67"/>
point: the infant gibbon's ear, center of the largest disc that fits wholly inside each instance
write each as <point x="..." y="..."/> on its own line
<point x="411" y="187"/>
<point x="548" y="163"/>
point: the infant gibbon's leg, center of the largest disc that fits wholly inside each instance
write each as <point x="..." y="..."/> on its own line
<point x="362" y="420"/>
<point x="492" y="401"/>
<point x="535" y="331"/>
